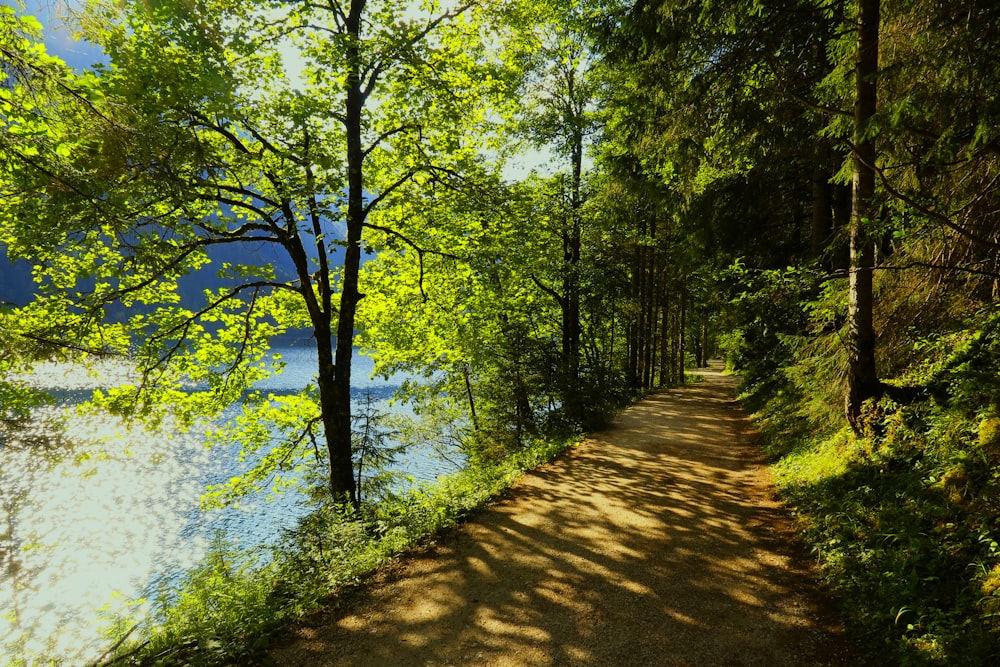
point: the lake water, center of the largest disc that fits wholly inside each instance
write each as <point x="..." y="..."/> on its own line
<point x="81" y="536"/>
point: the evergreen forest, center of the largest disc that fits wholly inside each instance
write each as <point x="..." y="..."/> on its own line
<point x="537" y="212"/>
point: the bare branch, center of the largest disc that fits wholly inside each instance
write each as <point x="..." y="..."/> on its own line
<point x="373" y="72"/>
<point x="65" y="345"/>
<point x="421" y="251"/>
<point x="939" y="267"/>
<point x="240" y="190"/>
<point x="48" y="78"/>
<point x="183" y="328"/>
<point x="240" y="145"/>
<point x="175" y="262"/>
<point x="208" y="124"/>
<point x="408" y="241"/>
<point x="237" y="203"/>
<point x="271" y="147"/>
<point x="548" y="290"/>
<point x="317" y="227"/>
<point x="943" y="218"/>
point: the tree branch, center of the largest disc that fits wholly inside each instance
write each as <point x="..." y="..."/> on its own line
<point x="548" y="290"/>
<point x="943" y="218"/>
<point x="382" y="137"/>
<point x="373" y="72"/>
<point x="240" y="190"/>
<point x="400" y="182"/>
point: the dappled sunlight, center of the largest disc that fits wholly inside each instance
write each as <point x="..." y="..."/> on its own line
<point x="97" y="374"/>
<point x="637" y="548"/>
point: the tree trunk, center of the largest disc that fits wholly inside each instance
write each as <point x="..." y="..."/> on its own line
<point x="654" y="323"/>
<point x="336" y="402"/>
<point x="665" y="367"/>
<point x="611" y="334"/>
<point x="840" y="256"/>
<point x="466" y="371"/>
<point x="571" y="285"/>
<point x="638" y="327"/>
<point x="674" y="318"/>
<point x="653" y="307"/>
<point x="649" y="320"/>
<point x="822" y="205"/>
<point x="862" y="377"/>
<point x="681" y="326"/>
<point x="705" y="352"/>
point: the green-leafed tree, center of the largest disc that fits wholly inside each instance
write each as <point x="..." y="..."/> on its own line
<point x="277" y="130"/>
<point x="463" y="309"/>
<point x="709" y="108"/>
<point x="559" y="97"/>
<point x="862" y="374"/>
<point x="44" y="108"/>
<point x="757" y="117"/>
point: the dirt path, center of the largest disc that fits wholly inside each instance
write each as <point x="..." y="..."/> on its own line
<point x="656" y="542"/>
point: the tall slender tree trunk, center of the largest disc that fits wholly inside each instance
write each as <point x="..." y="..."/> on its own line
<point x="673" y="314"/>
<point x="335" y="394"/>
<point x="611" y="334"/>
<point x="822" y="206"/>
<point x="466" y="371"/>
<point x="681" y="326"/>
<point x="649" y="307"/>
<point x="705" y="352"/>
<point x="862" y="376"/>
<point x="571" y="283"/>
<point x="637" y="326"/>
<point x="666" y="378"/>
<point x="649" y="334"/>
<point x="654" y="323"/>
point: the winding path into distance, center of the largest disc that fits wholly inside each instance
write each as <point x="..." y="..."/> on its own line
<point x="655" y="542"/>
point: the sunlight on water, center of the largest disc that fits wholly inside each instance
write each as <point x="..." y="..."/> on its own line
<point x="87" y="526"/>
<point x="102" y="373"/>
<point x="84" y="534"/>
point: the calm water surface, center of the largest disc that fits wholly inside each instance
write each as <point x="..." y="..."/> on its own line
<point x="81" y="536"/>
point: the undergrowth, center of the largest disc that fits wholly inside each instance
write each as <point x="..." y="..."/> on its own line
<point x="904" y="520"/>
<point x="230" y="606"/>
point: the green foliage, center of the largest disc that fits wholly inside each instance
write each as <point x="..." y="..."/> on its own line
<point x="218" y="614"/>
<point x="969" y="374"/>
<point x="764" y="317"/>
<point x="904" y="523"/>
<point x="196" y="138"/>
<point x="376" y="449"/>
<point x="474" y="312"/>
<point x="535" y="307"/>
<point x="731" y="108"/>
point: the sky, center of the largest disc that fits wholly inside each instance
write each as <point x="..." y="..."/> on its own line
<point x="58" y="38"/>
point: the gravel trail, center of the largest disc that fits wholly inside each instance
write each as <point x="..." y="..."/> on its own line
<point x="655" y="542"/>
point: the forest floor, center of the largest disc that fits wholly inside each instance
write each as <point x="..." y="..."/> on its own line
<point x="655" y="542"/>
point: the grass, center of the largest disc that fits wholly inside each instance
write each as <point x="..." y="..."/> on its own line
<point x="230" y="607"/>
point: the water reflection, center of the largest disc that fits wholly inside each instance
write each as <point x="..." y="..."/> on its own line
<point x="82" y="535"/>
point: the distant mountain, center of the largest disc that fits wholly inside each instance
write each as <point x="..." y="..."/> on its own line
<point x="17" y="287"/>
<point x="192" y="286"/>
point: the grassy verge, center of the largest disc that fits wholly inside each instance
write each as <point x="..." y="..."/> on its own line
<point x="232" y="604"/>
<point x="905" y="523"/>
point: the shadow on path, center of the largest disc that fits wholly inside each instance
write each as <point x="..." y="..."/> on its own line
<point x="655" y="542"/>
